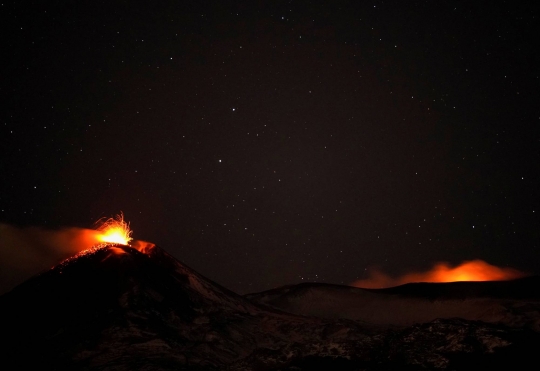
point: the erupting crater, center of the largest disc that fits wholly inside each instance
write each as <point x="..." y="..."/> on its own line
<point x="114" y="230"/>
<point x="112" y="233"/>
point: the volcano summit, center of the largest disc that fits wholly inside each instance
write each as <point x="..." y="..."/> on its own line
<point x="117" y="307"/>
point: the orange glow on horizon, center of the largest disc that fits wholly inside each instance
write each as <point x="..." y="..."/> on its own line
<point x="114" y="230"/>
<point x="473" y="270"/>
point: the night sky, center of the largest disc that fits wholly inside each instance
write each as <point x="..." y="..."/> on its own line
<point x="277" y="142"/>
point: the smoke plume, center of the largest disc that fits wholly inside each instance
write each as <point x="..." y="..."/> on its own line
<point x="25" y="252"/>
<point x="474" y="270"/>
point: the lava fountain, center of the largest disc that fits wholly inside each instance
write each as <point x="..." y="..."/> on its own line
<point x="114" y="230"/>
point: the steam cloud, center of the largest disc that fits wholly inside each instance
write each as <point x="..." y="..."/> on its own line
<point x="25" y="252"/>
<point x="474" y="270"/>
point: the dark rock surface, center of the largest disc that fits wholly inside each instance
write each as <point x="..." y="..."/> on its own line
<point x="121" y="308"/>
<point x="512" y="303"/>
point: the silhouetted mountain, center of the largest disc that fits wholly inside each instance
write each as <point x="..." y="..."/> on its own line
<point x="526" y="288"/>
<point x="513" y="303"/>
<point x="121" y="308"/>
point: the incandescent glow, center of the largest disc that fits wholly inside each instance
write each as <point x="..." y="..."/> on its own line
<point x="473" y="270"/>
<point x="114" y="230"/>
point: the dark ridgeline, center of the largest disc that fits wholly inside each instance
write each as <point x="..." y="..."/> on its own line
<point x="118" y="308"/>
<point x="521" y="288"/>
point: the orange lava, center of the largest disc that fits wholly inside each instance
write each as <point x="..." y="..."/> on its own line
<point x="474" y="270"/>
<point x="114" y="230"/>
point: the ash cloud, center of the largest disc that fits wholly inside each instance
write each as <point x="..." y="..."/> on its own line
<point x="25" y="252"/>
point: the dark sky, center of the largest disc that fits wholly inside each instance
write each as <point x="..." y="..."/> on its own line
<point x="277" y="142"/>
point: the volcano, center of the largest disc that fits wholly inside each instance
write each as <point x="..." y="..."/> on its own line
<point x="117" y="307"/>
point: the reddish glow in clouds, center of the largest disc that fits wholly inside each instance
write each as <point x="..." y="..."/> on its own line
<point x="474" y="270"/>
<point x="25" y="252"/>
<point x="114" y="230"/>
<point x="28" y="251"/>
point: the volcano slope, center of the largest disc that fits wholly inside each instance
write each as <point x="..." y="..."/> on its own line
<point x="116" y="307"/>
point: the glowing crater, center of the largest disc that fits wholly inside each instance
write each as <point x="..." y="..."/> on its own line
<point x="114" y="230"/>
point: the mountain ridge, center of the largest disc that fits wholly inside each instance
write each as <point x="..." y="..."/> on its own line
<point x="119" y="307"/>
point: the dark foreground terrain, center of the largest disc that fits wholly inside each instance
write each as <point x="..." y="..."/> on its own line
<point x="122" y="308"/>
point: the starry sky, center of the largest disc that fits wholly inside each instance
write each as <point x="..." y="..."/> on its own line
<point x="266" y="143"/>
